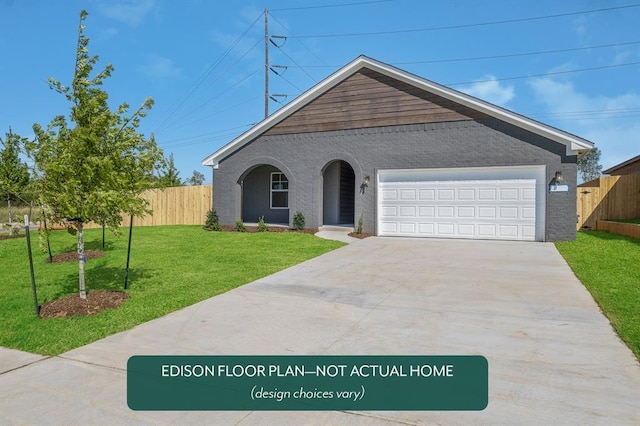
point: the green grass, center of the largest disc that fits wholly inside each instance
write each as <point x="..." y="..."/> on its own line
<point x="609" y="267"/>
<point x="171" y="267"/>
<point x="17" y="212"/>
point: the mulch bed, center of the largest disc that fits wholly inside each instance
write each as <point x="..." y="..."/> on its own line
<point x="73" y="305"/>
<point x="72" y="256"/>
<point x="361" y="235"/>
<point x="8" y="237"/>
<point x="251" y="229"/>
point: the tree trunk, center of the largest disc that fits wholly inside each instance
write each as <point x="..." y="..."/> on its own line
<point x="83" y="292"/>
<point x="9" y="207"/>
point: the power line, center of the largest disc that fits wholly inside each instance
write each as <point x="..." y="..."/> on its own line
<point x="543" y="75"/>
<point x="206" y="74"/>
<point x="331" y="5"/>
<point x="297" y="40"/>
<point x="514" y="55"/>
<point x="220" y="76"/>
<point x="501" y="56"/>
<point x="480" y="24"/>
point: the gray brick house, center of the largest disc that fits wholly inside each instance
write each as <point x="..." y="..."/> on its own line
<point x="408" y="156"/>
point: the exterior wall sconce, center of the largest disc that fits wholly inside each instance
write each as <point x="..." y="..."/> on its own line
<point x="365" y="184"/>
<point x="556" y="184"/>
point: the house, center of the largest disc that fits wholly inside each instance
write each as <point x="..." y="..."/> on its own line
<point x="406" y="155"/>
<point x="629" y="167"/>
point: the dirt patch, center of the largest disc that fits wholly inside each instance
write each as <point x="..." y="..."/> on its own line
<point x="73" y="305"/>
<point x="362" y="235"/>
<point x="8" y="237"/>
<point x="72" y="256"/>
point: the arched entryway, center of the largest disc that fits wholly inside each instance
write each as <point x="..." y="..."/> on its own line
<point x="338" y="195"/>
<point x="265" y="192"/>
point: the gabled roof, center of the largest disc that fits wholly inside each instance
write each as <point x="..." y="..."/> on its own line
<point x="575" y="145"/>
<point x="621" y="165"/>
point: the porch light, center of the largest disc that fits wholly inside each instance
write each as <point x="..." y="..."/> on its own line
<point x="559" y="177"/>
<point x="367" y="179"/>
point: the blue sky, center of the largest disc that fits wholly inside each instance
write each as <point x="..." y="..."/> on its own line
<point x="573" y="64"/>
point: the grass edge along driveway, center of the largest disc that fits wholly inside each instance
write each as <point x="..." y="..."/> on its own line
<point x="171" y="267"/>
<point x="608" y="265"/>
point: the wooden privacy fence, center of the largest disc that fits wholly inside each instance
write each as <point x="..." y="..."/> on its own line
<point x="180" y="205"/>
<point x="628" y="229"/>
<point x="606" y="198"/>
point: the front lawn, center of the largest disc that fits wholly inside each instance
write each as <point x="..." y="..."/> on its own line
<point x="171" y="267"/>
<point x="609" y="267"/>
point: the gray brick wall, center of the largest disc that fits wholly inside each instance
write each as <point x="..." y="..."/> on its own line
<point x="479" y="143"/>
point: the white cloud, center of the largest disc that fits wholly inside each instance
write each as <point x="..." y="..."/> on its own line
<point x="131" y="12"/>
<point x="159" y="67"/>
<point x="602" y="120"/>
<point x="580" y="26"/>
<point x="491" y="90"/>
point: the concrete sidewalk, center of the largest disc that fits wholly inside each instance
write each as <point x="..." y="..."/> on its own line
<point x="553" y="357"/>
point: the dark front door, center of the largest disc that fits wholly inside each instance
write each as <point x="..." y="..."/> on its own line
<point x="338" y="194"/>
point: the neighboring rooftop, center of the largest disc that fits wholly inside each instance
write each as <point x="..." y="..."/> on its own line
<point x="629" y="167"/>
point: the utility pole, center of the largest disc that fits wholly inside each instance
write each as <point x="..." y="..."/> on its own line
<point x="266" y="63"/>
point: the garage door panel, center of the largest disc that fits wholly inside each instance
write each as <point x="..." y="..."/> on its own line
<point x="485" y="212"/>
<point x="508" y="231"/>
<point x="408" y="194"/>
<point x="466" y="194"/>
<point x="466" y="212"/>
<point x="509" y="194"/>
<point x="488" y="209"/>
<point x="528" y="232"/>
<point x="445" y="229"/>
<point x="446" y="194"/>
<point x="426" y="228"/>
<point x="509" y="212"/>
<point x="389" y="211"/>
<point x="426" y="211"/>
<point x="529" y="194"/>
<point x="529" y="213"/>
<point x="487" y="194"/>
<point x="408" y="211"/>
<point x="466" y="230"/>
<point x="407" y="228"/>
<point x="388" y="228"/>
<point x="445" y="211"/>
<point x="427" y="194"/>
<point x="389" y="195"/>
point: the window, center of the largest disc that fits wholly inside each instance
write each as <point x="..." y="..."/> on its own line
<point x="279" y="191"/>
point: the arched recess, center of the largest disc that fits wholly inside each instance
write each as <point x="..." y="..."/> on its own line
<point x="338" y="193"/>
<point x="266" y="188"/>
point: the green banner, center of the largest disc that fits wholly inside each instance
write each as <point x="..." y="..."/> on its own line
<point x="307" y="382"/>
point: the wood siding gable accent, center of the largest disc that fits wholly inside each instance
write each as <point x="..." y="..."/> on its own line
<point x="371" y="99"/>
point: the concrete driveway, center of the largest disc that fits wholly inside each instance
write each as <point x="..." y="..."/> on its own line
<point x="553" y="357"/>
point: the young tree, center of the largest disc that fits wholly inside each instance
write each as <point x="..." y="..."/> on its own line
<point x="196" y="179"/>
<point x="589" y="165"/>
<point x="14" y="173"/>
<point x="169" y="175"/>
<point x="96" y="165"/>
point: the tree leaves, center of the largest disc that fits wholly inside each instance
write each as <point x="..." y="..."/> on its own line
<point x="93" y="165"/>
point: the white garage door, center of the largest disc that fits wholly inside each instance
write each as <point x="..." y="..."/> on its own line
<point x="503" y="209"/>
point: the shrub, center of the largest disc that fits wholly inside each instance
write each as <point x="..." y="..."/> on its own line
<point x="360" y="223"/>
<point x="240" y="226"/>
<point x="211" y="223"/>
<point x="262" y="226"/>
<point x="298" y="221"/>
